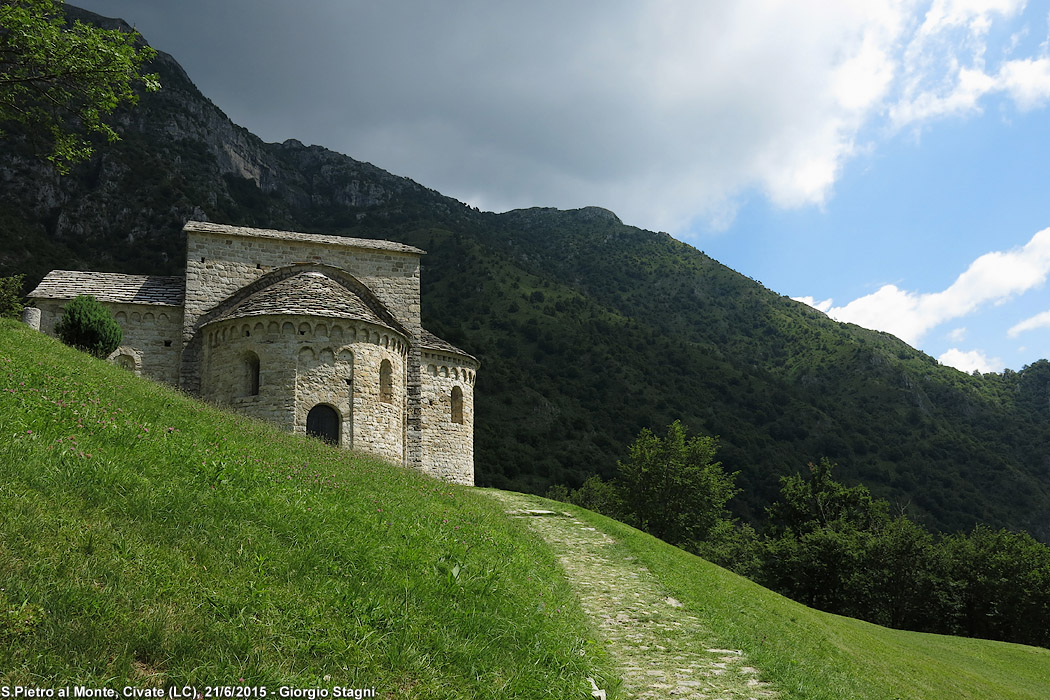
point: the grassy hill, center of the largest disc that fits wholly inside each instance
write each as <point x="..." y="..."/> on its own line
<point x="150" y="540"/>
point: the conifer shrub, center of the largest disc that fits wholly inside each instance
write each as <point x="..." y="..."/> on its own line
<point x="89" y="326"/>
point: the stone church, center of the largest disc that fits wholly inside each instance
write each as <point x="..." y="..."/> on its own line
<point x="319" y="334"/>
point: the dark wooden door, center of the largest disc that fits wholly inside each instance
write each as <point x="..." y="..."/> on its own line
<point x="323" y="422"/>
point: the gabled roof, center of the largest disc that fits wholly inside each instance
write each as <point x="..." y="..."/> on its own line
<point x="224" y="229"/>
<point x="305" y="294"/>
<point x="112" y="287"/>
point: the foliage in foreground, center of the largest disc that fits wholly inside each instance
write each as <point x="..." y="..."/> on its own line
<point x="833" y="547"/>
<point x="148" y="540"/>
<point x="673" y="487"/>
<point x="840" y="550"/>
<point x="60" y="82"/>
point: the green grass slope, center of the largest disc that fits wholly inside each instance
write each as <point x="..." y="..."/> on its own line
<point x="147" y="539"/>
<point x="813" y="655"/>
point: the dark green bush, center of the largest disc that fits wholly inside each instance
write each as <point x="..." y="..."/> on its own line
<point x="89" y="326"/>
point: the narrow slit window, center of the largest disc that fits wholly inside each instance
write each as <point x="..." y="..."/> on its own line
<point x="386" y="382"/>
<point x="457" y="405"/>
<point x="251" y="370"/>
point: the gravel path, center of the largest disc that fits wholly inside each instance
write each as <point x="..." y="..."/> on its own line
<point x="663" y="651"/>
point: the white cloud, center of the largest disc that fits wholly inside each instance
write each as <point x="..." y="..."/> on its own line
<point x="945" y="68"/>
<point x="664" y="110"/>
<point x="1027" y="81"/>
<point x="818" y="305"/>
<point x="971" y="360"/>
<point x="1038" y="321"/>
<point x="957" y="335"/>
<point x="992" y="278"/>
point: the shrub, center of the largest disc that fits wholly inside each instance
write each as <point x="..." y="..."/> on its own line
<point x="89" y="326"/>
<point x="11" y="296"/>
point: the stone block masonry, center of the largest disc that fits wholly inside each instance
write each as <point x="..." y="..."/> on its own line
<point x="320" y="334"/>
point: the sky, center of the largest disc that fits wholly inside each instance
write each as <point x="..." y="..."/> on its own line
<point x="886" y="161"/>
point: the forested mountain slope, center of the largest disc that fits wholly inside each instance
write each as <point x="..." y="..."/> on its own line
<point x="587" y="329"/>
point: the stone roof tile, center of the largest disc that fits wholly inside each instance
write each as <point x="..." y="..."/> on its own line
<point x="430" y="341"/>
<point x="305" y="294"/>
<point x="112" y="287"/>
<point x="224" y="229"/>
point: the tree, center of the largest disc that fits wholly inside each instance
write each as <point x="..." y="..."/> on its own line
<point x="810" y="504"/>
<point x="59" y="81"/>
<point x="822" y="540"/>
<point x="672" y="487"/>
<point x="901" y="586"/>
<point x="600" y="496"/>
<point x="89" y="326"/>
<point x="1001" y="584"/>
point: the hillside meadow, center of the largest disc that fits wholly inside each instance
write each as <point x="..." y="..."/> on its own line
<point x="149" y="540"/>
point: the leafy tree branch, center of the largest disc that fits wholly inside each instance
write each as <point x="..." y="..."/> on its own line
<point x="59" y="81"/>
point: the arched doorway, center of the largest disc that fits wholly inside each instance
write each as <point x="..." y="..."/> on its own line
<point x="323" y="421"/>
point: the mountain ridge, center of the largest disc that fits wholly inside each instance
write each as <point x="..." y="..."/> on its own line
<point x="588" y="329"/>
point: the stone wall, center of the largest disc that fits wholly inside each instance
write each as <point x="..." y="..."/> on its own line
<point x="447" y="429"/>
<point x="306" y="361"/>
<point x="222" y="259"/>
<point x="151" y="341"/>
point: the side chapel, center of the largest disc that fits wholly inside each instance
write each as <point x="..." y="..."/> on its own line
<point x="319" y="334"/>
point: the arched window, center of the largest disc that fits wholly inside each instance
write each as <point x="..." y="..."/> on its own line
<point x="127" y="362"/>
<point x="251" y="373"/>
<point x="386" y="382"/>
<point x="457" y="405"/>
<point x="323" y="421"/>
